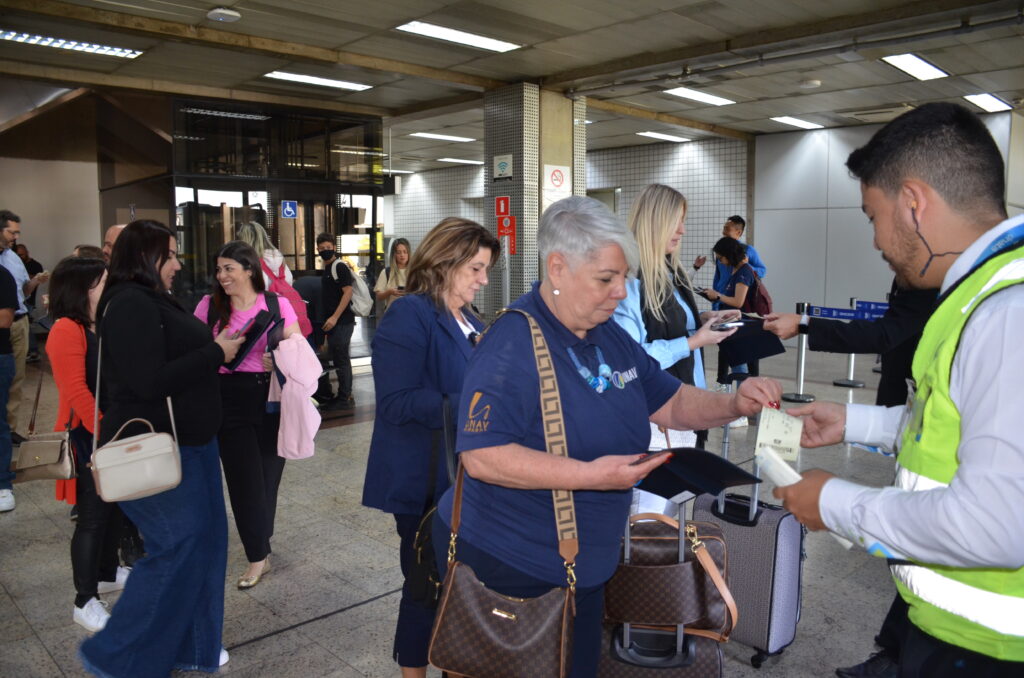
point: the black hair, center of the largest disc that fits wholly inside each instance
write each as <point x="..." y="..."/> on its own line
<point x="946" y="146"/>
<point x="324" y="237"/>
<point x="8" y="215"/>
<point x="244" y="254"/>
<point x="72" y="279"/>
<point x="733" y="250"/>
<point x="739" y="221"/>
<point x="138" y="255"/>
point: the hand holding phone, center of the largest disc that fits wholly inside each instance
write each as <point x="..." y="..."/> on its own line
<point x="726" y="326"/>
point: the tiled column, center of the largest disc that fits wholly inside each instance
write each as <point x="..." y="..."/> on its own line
<point x="535" y="129"/>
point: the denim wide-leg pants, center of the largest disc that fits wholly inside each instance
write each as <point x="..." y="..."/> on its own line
<point x="171" y="613"/>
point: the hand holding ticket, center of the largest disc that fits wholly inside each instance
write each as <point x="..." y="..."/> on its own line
<point x="781" y="432"/>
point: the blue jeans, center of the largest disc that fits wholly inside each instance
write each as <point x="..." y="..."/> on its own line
<point x="6" y="451"/>
<point x="171" y="613"/>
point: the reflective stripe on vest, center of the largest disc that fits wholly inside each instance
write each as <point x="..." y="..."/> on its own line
<point x="1004" y="614"/>
<point x="915" y="482"/>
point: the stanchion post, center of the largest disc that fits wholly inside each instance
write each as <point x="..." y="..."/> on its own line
<point x="849" y="382"/>
<point x="801" y="359"/>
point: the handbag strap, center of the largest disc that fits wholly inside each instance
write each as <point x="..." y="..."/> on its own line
<point x="96" y="409"/>
<point x="35" y="405"/>
<point x="554" y="440"/>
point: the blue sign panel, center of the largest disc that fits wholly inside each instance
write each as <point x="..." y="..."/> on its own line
<point x="289" y="209"/>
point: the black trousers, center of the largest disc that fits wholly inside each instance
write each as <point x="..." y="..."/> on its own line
<point x="920" y="655"/>
<point x="753" y="368"/>
<point x="415" y="620"/>
<point x="97" y="530"/>
<point x="248" y="452"/>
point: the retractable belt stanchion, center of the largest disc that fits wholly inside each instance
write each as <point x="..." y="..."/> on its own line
<point x="849" y="382"/>
<point x="801" y="359"/>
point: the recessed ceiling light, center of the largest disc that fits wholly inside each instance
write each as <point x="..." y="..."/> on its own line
<point x="663" y="137"/>
<point x="225" y="114"/>
<point x="72" y="45"/>
<point x="442" y="137"/>
<point x="797" y="122"/>
<point x="224" y="15"/>
<point x="313" y="80"/>
<point x="687" y="93"/>
<point x="460" y="37"/>
<point x="459" y="160"/>
<point x="988" y="103"/>
<point x="915" y="66"/>
<point x="394" y="171"/>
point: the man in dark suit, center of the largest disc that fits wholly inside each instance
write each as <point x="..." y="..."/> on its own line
<point x="894" y="336"/>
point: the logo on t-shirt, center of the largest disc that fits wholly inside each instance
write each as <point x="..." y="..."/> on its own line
<point x="477" y="420"/>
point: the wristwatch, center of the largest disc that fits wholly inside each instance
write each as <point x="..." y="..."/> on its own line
<point x="804" y="324"/>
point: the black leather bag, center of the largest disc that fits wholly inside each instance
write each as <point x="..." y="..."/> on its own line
<point x="424" y="578"/>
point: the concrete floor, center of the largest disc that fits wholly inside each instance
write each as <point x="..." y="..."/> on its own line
<point x="328" y="608"/>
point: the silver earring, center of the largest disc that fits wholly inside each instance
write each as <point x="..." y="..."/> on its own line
<point x="556" y="292"/>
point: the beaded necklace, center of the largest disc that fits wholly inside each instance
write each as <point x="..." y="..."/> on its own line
<point x="600" y="383"/>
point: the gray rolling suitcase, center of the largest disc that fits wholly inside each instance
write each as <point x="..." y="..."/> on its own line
<point x="765" y="562"/>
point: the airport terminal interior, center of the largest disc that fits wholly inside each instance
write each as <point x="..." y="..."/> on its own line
<point x="374" y="121"/>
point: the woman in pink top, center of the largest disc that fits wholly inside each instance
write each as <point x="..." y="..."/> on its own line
<point x="248" y="433"/>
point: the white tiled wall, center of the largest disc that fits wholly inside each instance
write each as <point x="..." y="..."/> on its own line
<point x="712" y="174"/>
<point x="429" y="197"/>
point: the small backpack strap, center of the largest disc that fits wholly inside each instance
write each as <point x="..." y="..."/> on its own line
<point x="273" y="304"/>
<point x="211" y="312"/>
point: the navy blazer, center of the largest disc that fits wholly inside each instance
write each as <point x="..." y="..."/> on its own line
<point x="419" y="354"/>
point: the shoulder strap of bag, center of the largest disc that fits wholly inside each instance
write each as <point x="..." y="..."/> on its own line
<point x="554" y="440"/>
<point x="273" y="304"/>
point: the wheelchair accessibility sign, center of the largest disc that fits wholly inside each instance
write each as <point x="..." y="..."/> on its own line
<point x="289" y="209"/>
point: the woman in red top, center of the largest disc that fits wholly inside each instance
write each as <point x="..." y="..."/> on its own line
<point x="72" y="347"/>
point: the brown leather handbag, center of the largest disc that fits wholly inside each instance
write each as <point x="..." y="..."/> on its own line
<point x="673" y="582"/>
<point x="45" y="456"/>
<point x="483" y="634"/>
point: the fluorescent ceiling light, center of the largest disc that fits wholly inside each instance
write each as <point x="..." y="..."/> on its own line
<point x="687" y="93"/>
<point x="394" y="171"/>
<point x="313" y="80"/>
<point x="663" y="137"/>
<point x="461" y="37"/>
<point x="225" y="114"/>
<point x="464" y="162"/>
<point x="73" y="45"/>
<point x="441" y="137"/>
<point x="988" y="103"/>
<point x="915" y="66"/>
<point x="346" y="151"/>
<point x="797" y="122"/>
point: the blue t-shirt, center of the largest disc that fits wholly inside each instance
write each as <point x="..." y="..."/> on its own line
<point x="500" y="405"/>
<point x="744" y="275"/>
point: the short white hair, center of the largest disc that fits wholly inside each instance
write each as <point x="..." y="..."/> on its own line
<point x="578" y="227"/>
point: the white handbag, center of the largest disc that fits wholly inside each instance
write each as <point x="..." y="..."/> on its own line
<point x="138" y="466"/>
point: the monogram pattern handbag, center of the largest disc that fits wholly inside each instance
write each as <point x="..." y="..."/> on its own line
<point x="45" y="456"/>
<point x="481" y="633"/>
<point x="138" y="466"/>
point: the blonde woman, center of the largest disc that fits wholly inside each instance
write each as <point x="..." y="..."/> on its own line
<point x="391" y="282"/>
<point x="659" y="310"/>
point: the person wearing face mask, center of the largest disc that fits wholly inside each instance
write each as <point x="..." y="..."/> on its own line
<point x="171" y="613"/>
<point x="420" y="351"/>
<point x="391" y="282"/>
<point x="337" y="284"/>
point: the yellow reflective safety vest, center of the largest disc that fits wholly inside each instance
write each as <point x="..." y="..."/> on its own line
<point x="980" y="609"/>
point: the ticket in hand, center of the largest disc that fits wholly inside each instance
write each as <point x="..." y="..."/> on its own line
<point x="781" y="432"/>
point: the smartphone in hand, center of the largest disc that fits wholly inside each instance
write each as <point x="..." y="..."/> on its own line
<point x="244" y="329"/>
<point x="726" y="326"/>
<point x="648" y="457"/>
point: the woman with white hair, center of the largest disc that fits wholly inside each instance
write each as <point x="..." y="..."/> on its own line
<point x="660" y="310"/>
<point x="610" y="389"/>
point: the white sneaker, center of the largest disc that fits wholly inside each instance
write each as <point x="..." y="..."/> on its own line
<point x="738" y="423"/>
<point x="119" y="580"/>
<point x="6" y="500"/>
<point x="224" y="658"/>
<point x="93" y="616"/>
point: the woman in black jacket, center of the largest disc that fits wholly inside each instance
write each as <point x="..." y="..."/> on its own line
<point x="171" y="613"/>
